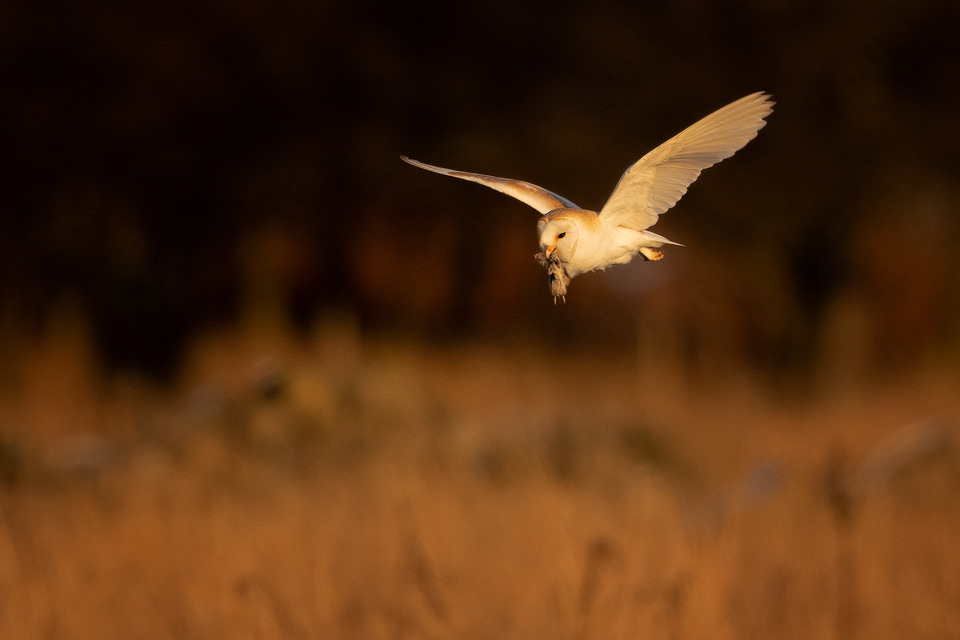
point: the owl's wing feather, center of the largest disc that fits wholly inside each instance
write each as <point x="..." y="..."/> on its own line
<point x="659" y="179"/>
<point x="537" y="197"/>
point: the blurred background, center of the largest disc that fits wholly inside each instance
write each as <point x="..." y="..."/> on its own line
<point x="207" y="229"/>
<point x="170" y="167"/>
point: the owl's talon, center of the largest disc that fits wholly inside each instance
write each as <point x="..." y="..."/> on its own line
<point x="649" y="253"/>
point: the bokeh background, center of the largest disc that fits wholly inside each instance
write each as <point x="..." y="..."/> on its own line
<point x="293" y="387"/>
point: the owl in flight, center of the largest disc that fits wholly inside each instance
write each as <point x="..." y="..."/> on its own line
<point x="575" y="240"/>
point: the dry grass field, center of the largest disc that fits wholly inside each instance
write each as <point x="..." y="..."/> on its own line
<point x="363" y="489"/>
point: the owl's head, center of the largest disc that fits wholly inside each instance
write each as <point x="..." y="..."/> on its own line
<point x="560" y="235"/>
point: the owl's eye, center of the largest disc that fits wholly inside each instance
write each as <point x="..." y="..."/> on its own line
<point x="561" y="235"/>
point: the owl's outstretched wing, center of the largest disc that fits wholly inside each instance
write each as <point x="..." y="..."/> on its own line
<point x="659" y="179"/>
<point x="537" y="197"/>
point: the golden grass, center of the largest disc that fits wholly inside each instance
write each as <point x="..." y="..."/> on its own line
<point x="345" y="488"/>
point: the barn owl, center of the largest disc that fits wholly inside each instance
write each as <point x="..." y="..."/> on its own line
<point x="575" y="240"/>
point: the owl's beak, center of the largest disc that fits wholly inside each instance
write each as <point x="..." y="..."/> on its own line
<point x="549" y="251"/>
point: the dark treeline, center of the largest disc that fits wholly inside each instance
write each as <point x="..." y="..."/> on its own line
<point x="168" y="166"/>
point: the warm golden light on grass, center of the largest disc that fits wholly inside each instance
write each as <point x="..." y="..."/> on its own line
<point x="346" y="488"/>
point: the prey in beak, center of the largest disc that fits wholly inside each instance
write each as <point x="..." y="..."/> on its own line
<point x="558" y="276"/>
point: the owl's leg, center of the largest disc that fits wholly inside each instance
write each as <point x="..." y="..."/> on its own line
<point x="650" y="253"/>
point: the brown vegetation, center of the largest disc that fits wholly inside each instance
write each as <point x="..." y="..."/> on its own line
<point x="351" y="488"/>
